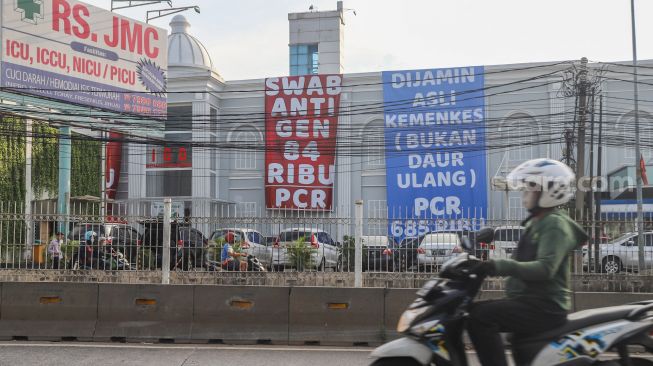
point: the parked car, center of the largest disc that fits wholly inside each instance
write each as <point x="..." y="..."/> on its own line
<point x="437" y="248"/>
<point x="622" y="254"/>
<point x="78" y="230"/>
<point x="323" y="255"/>
<point x="187" y="244"/>
<point x="126" y="239"/>
<point x="505" y="241"/>
<point x="378" y="253"/>
<point x="251" y="241"/>
<point x="406" y="253"/>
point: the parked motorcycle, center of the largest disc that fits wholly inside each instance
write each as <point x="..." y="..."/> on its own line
<point x="253" y="264"/>
<point x="433" y="326"/>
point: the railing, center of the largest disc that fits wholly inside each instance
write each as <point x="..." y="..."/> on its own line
<point x="130" y="239"/>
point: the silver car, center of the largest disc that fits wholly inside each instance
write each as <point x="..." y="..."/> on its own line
<point x="252" y="242"/>
<point x="323" y="249"/>
<point x="623" y="253"/>
<point x="437" y="248"/>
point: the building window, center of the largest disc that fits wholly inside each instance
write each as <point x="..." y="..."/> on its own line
<point x="303" y="59"/>
<point x="374" y="145"/>
<point x="245" y="150"/>
<point x="169" y="183"/>
<point x="377" y="209"/>
<point x="516" y="210"/>
<point x="519" y="134"/>
<point x="628" y="128"/>
<point x="246" y="209"/>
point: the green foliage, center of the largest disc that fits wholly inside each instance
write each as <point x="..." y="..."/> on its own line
<point x="301" y="255"/>
<point x="45" y="159"/>
<point x="348" y="253"/>
<point x="86" y="161"/>
<point x="12" y="160"/>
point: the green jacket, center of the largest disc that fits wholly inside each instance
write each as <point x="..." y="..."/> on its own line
<point x="540" y="270"/>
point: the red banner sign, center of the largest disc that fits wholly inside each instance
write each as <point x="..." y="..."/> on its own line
<point x="113" y="163"/>
<point x="301" y="126"/>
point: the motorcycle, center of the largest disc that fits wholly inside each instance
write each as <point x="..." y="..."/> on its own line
<point x="253" y="264"/>
<point x="433" y="326"/>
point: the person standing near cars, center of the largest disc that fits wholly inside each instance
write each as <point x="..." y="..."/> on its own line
<point x="54" y="249"/>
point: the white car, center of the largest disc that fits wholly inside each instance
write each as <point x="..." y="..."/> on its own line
<point x="505" y="241"/>
<point x="252" y="242"/>
<point x="623" y="253"/>
<point x="437" y="248"/>
<point x="324" y="251"/>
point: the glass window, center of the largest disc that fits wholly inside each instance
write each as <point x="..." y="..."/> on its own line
<point x="180" y="118"/>
<point x="304" y="59"/>
<point x="246" y="209"/>
<point x="374" y="143"/>
<point x="505" y="235"/>
<point x="295" y="235"/>
<point x="255" y="237"/>
<point x="648" y="240"/>
<point x="245" y="150"/>
<point x="169" y="183"/>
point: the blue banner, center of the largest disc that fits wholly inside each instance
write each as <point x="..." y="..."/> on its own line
<point x="435" y="150"/>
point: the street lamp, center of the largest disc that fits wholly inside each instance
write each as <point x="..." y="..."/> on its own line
<point x="165" y="12"/>
<point x="136" y="3"/>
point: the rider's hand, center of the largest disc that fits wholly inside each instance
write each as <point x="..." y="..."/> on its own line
<point x="483" y="269"/>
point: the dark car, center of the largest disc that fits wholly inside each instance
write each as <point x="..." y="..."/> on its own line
<point x="406" y="253"/>
<point x="378" y="253"/>
<point x="126" y="239"/>
<point x="78" y="231"/>
<point x="187" y="244"/>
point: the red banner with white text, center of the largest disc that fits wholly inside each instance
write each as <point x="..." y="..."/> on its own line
<point x="301" y="127"/>
<point x="113" y="164"/>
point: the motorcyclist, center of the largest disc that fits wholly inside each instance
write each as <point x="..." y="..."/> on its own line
<point x="86" y="251"/>
<point x="537" y="288"/>
<point x="231" y="259"/>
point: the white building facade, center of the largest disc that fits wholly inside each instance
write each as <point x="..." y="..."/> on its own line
<point x="213" y="161"/>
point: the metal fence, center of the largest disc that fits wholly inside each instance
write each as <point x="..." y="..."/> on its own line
<point x="131" y="237"/>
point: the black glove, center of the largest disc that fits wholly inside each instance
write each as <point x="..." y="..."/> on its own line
<point x="483" y="269"/>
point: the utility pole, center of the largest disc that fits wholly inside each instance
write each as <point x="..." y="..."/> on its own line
<point x="597" y="194"/>
<point x="590" y="201"/>
<point x="582" y="116"/>
<point x="638" y="153"/>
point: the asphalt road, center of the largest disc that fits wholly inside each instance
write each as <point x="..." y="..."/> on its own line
<point x="98" y="354"/>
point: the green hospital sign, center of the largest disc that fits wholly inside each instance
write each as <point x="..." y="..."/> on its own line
<point x="30" y="9"/>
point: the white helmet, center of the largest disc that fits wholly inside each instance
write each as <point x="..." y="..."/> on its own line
<point x="554" y="179"/>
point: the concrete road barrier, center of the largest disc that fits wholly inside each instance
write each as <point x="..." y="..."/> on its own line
<point x="48" y="311"/>
<point x="590" y="300"/>
<point x="396" y="302"/>
<point x="144" y="312"/>
<point x="233" y="314"/>
<point x="336" y="315"/>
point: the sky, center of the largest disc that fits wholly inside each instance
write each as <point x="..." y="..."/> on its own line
<point x="248" y="39"/>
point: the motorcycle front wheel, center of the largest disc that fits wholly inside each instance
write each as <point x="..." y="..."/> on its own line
<point x="396" y="361"/>
<point x="633" y="362"/>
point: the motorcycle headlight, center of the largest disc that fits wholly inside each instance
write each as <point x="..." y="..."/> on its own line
<point x="408" y="317"/>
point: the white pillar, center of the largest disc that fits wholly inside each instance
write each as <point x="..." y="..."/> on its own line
<point x="165" y="261"/>
<point x="29" y="239"/>
<point x="358" y="256"/>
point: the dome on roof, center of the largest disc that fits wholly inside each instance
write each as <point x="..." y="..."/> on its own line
<point x="184" y="49"/>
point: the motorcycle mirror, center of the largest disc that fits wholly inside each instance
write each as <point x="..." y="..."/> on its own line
<point x="467" y="244"/>
<point x="485" y="235"/>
